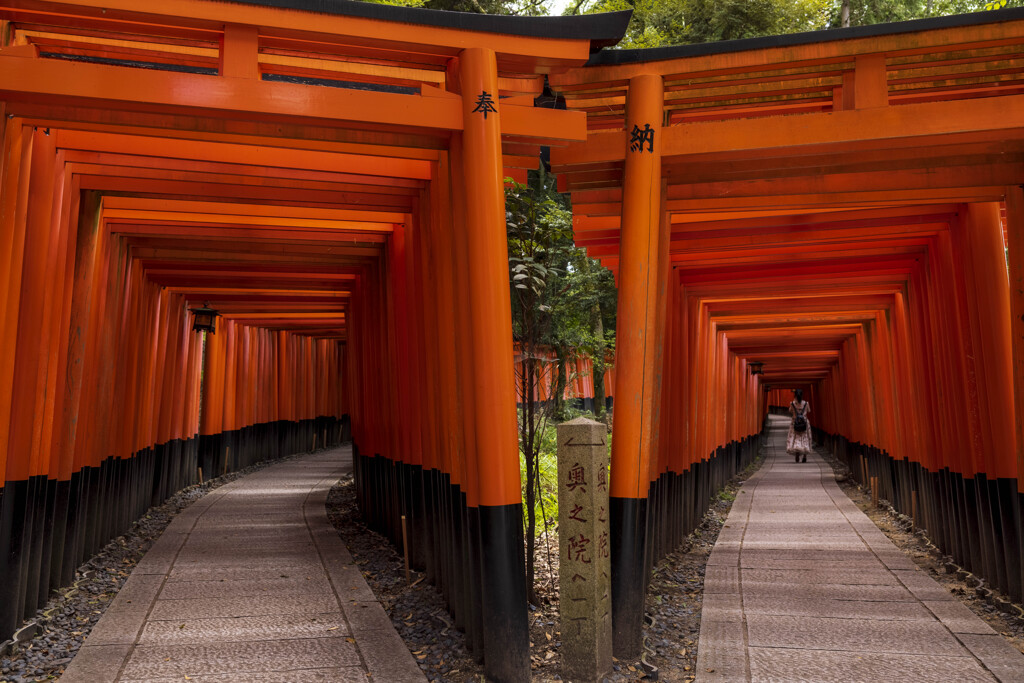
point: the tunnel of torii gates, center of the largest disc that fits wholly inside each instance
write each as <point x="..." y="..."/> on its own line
<point x="328" y="176"/>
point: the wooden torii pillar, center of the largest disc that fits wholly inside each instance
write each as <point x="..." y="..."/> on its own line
<point x="636" y="384"/>
<point x="503" y="577"/>
<point x="1015" y="244"/>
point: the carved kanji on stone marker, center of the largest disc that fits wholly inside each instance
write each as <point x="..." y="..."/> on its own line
<point x="577" y="478"/>
<point x="574" y="514"/>
<point x="579" y="549"/>
<point x="585" y="550"/>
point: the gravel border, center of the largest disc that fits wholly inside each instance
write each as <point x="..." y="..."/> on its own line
<point x="418" y="612"/>
<point x="64" y="623"/>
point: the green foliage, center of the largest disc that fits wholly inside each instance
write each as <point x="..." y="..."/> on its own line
<point x="865" y="12"/>
<point x="546" y="503"/>
<point x="678" y="22"/>
<point x="517" y="7"/>
<point x="397" y="3"/>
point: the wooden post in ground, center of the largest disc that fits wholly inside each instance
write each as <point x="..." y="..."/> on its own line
<point x="635" y="384"/>
<point x="502" y="572"/>
<point x="584" y="569"/>
<point x="1014" y="486"/>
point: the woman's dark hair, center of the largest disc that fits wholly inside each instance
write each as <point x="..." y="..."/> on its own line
<point x="799" y="393"/>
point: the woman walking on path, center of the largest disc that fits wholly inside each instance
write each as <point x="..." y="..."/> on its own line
<point x="798" y="441"/>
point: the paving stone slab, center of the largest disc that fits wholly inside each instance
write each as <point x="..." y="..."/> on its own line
<point x="839" y="609"/>
<point x="724" y="558"/>
<point x="850" y="576"/>
<point x="335" y="675"/>
<point x="721" y="652"/>
<point x="782" y="563"/>
<point x="233" y="629"/>
<point x="834" y="591"/>
<point x="240" y="659"/>
<point x="236" y="588"/>
<point x="349" y="583"/>
<point x="721" y="579"/>
<point x="722" y="607"/>
<point x="1004" y="662"/>
<point x="958" y="618"/>
<point x="922" y="586"/>
<point x="202" y="546"/>
<point x="96" y="664"/>
<point x="248" y="606"/>
<point x="780" y="665"/>
<point x="782" y="543"/>
<point x="813" y="556"/>
<point x="366" y="616"/>
<point x="866" y="635"/>
<point x="894" y="559"/>
<point x="117" y="628"/>
<point x="198" y="572"/>
<point x="386" y="657"/>
<point x="138" y="592"/>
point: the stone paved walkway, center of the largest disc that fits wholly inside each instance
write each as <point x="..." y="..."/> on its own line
<point x="802" y="586"/>
<point x="250" y="583"/>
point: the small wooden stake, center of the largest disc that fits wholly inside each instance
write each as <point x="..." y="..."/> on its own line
<point x="314" y="444"/>
<point x="227" y="457"/>
<point x="200" y="475"/>
<point x="874" y="491"/>
<point x="405" y="550"/>
<point x="913" y="510"/>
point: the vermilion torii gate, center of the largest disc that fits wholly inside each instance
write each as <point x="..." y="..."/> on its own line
<point x="827" y="204"/>
<point x="329" y="177"/>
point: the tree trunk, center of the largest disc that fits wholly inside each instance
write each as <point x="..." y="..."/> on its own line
<point x="560" y="382"/>
<point x="598" y="361"/>
<point x="530" y="455"/>
<point x="844" y="14"/>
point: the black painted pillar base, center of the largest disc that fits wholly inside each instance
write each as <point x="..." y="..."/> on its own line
<point x="503" y="594"/>
<point x="628" y="526"/>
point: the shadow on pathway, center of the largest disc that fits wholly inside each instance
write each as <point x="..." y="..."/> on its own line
<point x="250" y="583"/>
<point x="802" y="586"/>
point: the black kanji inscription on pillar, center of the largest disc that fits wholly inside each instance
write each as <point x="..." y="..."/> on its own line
<point x="485" y="103"/>
<point x="640" y="137"/>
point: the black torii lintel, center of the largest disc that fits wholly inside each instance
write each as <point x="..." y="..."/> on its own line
<point x="602" y="30"/>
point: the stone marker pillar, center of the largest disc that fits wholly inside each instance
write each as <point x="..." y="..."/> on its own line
<point x="584" y="564"/>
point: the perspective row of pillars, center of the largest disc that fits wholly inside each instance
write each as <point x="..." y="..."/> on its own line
<point x="433" y="394"/>
<point x="993" y="314"/>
